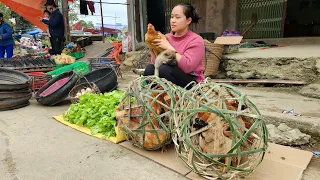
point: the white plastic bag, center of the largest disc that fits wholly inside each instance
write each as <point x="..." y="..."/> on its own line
<point x="125" y="44"/>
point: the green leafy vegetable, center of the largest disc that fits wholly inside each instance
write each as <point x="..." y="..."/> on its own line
<point x="96" y="111"/>
<point x="46" y="43"/>
<point x="112" y="39"/>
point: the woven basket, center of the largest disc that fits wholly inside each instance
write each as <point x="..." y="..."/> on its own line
<point x="219" y="133"/>
<point x="212" y="58"/>
<point x="79" y="87"/>
<point x="145" y="112"/>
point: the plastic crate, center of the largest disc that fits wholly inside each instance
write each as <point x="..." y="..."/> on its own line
<point x="102" y="62"/>
<point x="39" y="79"/>
<point x="41" y="53"/>
<point x="77" y="55"/>
<point x="78" y="67"/>
<point x="61" y="65"/>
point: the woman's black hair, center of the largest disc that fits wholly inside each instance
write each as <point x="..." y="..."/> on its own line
<point x="190" y="12"/>
<point x="50" y="3"/>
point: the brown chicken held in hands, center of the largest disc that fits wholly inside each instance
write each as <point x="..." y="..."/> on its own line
<point x="152" y="35"/>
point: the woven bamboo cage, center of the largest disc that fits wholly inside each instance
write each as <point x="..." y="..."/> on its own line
<point x="145" y="112"/>
<point x="219" y="132"/>
<point x="212" y="58"/>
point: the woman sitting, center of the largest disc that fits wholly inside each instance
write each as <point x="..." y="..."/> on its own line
<point x="188" y="45"/>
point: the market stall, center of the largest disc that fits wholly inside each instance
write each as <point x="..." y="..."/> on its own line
<point x="74" y="50"/>
<point x="33" y="58"/>
<point x="212" y="130"/>
<point x="153" y="113"/>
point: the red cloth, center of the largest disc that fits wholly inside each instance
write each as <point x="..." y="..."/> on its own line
<point x="116" y="51"/>
<point x="91" y="6"/>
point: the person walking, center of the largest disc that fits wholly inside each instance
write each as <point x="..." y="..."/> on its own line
<point x="6" y="39"/>
<point x="56" y="28"/>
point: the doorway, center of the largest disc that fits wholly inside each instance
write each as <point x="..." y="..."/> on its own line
<point x="156" y="14"/>
<point x="302" y="18"/>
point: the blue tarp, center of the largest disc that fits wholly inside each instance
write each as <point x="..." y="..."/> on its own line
<point x="34" y="31"/>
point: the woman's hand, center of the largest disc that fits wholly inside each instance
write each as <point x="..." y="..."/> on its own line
<point x="163" y="43"/>
<point x="153" y="56"/>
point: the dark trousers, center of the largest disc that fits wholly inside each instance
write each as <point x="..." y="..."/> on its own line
<point x="6" y="50"/>
<point x="171" y="73"/>
<point x="57" y="45"/>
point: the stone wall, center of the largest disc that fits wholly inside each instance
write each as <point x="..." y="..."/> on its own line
<point x="270" y="68"/>
<point x="230" y="14"/>
<point x="202" y="10"/>
<point x="216" y="15"/>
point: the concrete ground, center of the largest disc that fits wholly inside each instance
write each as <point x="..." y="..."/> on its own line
<point x="278" y="99"/>
<point x="272" y="101"/>
<point x="95" y="50"/>
<point x="33" y="146"/>
<point x="298" y="51"/>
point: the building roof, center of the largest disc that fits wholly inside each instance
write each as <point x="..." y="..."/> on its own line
<point x="112" y="26"/>
<point x="109" y="30"/>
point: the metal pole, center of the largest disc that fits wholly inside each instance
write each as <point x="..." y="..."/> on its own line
<point x="141" y="20"/>
<point x="133" y="34"/>
<point x="102" y="21"/>
<point x="115" y="25"/>
<point x="115" y="21"/>
<point x="66" y="20"/>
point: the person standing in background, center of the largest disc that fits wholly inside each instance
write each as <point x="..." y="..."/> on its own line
<point x="6" y="39"/>
<point x="56" y="28"/>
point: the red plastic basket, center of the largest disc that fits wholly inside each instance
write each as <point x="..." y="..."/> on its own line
<point x="39" y="79"/>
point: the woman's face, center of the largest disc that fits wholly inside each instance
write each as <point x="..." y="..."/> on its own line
<point x="179" y="21"/>
<point x="50" y="8"/>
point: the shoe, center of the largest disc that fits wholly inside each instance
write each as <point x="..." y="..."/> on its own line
<point x="138" y="71"/>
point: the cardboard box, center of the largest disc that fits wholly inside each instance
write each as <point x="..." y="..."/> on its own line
<point x="279" y="163"/>
<point x="231" y="43"/>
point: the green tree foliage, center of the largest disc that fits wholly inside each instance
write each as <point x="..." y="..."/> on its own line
<point x="86" y="24"/>
<point x="20" y="23"/>
<point x="90" y="24"/>
<point x="6" y="13"/>
<point x="74" y="12"/>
